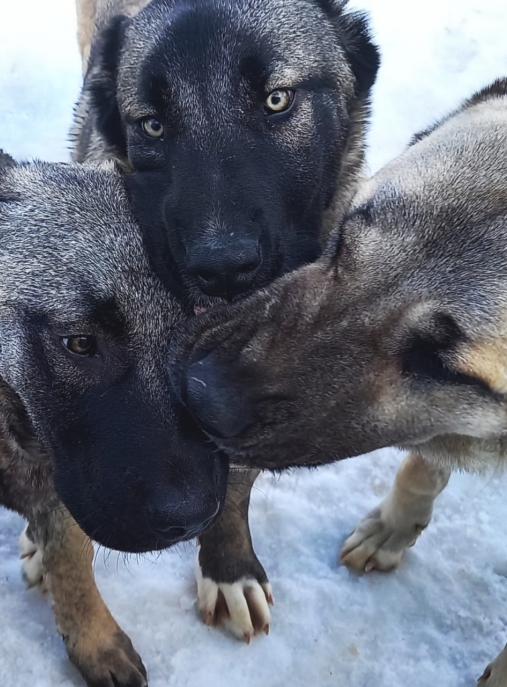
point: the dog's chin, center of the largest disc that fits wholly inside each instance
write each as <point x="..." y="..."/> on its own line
<point x="127" y="540"/>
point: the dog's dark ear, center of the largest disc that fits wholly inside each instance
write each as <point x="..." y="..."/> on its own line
<point x="354" y="31"/>
<point x="6" y="160"/>
<point x="101" y="81"/>
<point x="6" y="163"/>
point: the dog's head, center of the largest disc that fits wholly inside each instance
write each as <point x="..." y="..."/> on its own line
<point x="85" y="326"/>
<point x="241" y="124"/>
<point x="397" y="337"/>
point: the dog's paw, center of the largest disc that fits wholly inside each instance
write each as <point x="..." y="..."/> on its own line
<point x="107" y="661"/>
<point x="31" y="555"/>
<point x="379" y="541"/>
<point x="242" y="607"/>
<point x="495" y="674"/>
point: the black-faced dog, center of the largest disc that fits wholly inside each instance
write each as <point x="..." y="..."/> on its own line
<point x="396" y="337"/>
<point x="241" y="126"/>
<point x="89" y="428"/>
<point x="239" y="122"/>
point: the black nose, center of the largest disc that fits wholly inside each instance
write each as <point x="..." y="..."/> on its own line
<point x="225" y="268"/>
<point x="214" y="395"/>
<point x="175" y="522"/>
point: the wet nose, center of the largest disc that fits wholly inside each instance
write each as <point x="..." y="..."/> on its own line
<point x="175" y="524"/>
<point x="216" y="398"/>
<point x="225" y="269"/>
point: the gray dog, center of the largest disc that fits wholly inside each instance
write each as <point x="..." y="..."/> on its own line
<point x="241" y="126"/>
<point x="89" y="428"/>
<point x="396" y="337"/>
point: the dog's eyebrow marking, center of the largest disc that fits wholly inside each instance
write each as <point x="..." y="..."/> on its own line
<point x="199" y="381"/>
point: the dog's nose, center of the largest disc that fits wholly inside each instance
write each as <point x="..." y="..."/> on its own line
<point x="225" y="268"/>
<point x="175" y="523"/>
<point x="215" y="397"/>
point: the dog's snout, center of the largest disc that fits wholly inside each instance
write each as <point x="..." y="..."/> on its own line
<point x="225" y="269"/>
<point x="177" y="520"/>
<point x="216" y="398"/>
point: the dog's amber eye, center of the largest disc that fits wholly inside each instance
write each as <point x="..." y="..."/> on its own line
<point x="152" y="127"/>
<point x="279" y="100"/>
<point x="80" y="345"/>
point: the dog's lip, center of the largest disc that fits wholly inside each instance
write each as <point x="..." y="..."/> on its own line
<point x="200" y="309"/>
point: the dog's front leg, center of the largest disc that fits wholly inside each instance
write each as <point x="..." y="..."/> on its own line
<point x="232" y="586"/>
<point x="57" y="553"/>
<point x="380" y="539"/>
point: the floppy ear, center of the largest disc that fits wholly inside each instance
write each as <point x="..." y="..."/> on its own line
<point x="101" y="81"/>
<point x="354" y="31"/>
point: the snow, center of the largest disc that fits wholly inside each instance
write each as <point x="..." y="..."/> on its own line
<point x="442" y="616"/>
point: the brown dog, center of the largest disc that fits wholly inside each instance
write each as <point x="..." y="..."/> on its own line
<point x="396" y="337"/>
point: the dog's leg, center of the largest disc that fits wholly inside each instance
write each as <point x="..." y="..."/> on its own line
<point x="31" y="555"/>
<point x="495" y="674"/>
<point x="380" y="539"/>
<point x="59" y="554"/>
<point x="232" y="586"/>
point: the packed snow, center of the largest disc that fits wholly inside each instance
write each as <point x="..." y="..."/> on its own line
<point x="442" y="616"/>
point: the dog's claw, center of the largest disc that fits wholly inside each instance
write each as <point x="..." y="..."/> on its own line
<point x="242" y="606"/>
<point x="486" y="674"/>
<point x="269" y="594"/>
<point x="209" y="618"/>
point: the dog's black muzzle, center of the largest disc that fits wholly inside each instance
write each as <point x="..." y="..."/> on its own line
<point x="138" y="477"/>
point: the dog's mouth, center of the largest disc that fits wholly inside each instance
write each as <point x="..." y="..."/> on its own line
<point x="200" y="309"/>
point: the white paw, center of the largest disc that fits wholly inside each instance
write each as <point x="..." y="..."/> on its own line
<point x="31" y="555"/>
<point x="241" y="607"/>
<point x="495" y="674"/>
<point x="379" y="542"/>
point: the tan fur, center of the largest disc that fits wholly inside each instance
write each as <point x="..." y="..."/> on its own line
<point x="85" y="10"/>
<point x="487" y="360"/>
<point x="495" y="674"/>
<point x="94" y="641"/>
<point x="382" y="536"/>
<point x="93" y="14"/>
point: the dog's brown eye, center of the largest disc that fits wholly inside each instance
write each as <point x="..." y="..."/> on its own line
<point x="152" y="127"/>
<point x="279" y="100"/>
<point x="80" y="345"/>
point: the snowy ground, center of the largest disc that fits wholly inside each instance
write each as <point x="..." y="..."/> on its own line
<point x="443" y="615"/>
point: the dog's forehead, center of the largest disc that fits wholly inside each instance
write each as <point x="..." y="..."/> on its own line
<point x="295" y="41"/>
<point x="433" y="222"/>
<point x="69" y="244"/>
<point x="456" y="173"/>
